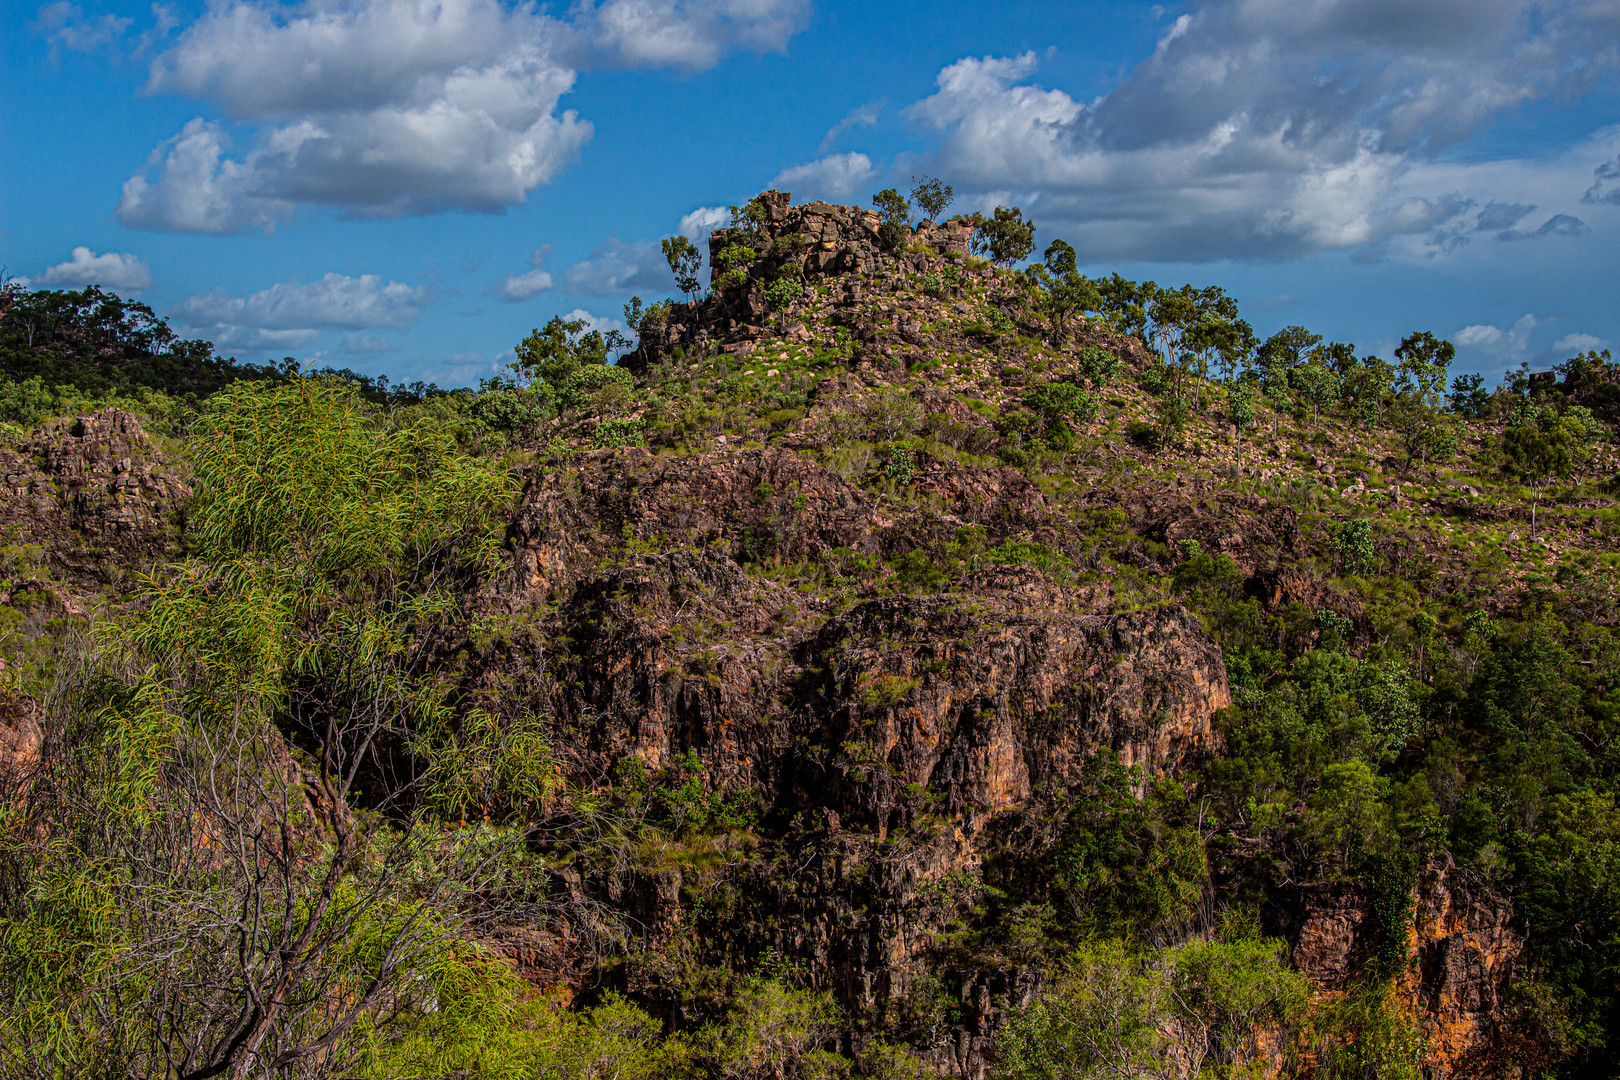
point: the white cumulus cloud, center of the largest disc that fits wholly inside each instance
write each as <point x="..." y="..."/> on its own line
<point x="379" y="109"/>
<point x="697" y="225"/>
<point x="392" y="108"/>
<point x="530" y="283"/>
<point x="836" y="178"/>
<point x="692" y="34"/>
<point x="1270" y="129"/>
<point x="1497" y="343"/>
<point x="1574" y="344"/>
<point x="114" y="270"/>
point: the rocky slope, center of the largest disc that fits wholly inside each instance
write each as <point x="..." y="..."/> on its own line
<point x="835" y="594"/>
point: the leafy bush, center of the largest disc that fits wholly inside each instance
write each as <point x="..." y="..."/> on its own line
<point x="733" y="262"/>
<point x="899" y="467"/>
<point x="585" y="382"/>
<point x="1097" y="366"/>
<point x="1027" y="553"/>
<point x="1203" y="1009"/>
<point x="507" y="408"/>
<point x="612" y="433"/>
<point x="918" y="570"/>
<point x="1144" y="434"/>
<point x="782" y="294"/>
<point x="1060" y="404"/>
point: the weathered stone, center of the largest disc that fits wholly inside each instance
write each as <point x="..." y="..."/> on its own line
<point x="94" y="493"/>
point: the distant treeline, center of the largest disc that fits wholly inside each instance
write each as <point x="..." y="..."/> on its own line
<point x="64" y="349"/>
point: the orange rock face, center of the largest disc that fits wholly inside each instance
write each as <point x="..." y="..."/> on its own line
<point x="1460" y="948"/>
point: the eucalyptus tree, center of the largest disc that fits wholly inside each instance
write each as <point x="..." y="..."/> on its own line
<point x="932" y="195"/>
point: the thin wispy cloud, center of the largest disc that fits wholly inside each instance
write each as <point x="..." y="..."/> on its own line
<point x="67" y="28"/>
<point x="858" y="117"/>
<point x="616" y="267"/>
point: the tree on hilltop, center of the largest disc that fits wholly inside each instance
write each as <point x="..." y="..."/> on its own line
<point x="1064" y="291"/>
<point x="1423" y="360"/>
<point x="895" y="211"/>
<point x="1005" y="237"/>
<point x="563" y="346"/>
<point x="933" y="195"/>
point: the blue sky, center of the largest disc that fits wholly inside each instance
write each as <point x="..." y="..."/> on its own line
<point x="408" y="186"/>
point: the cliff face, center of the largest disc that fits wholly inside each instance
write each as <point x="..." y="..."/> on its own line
<point x="1459" y="947"/>
<point x="976" y="698"/>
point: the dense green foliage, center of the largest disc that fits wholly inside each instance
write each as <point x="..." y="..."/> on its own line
<point x="171" y="905"/>
<point x="101" y="344"/>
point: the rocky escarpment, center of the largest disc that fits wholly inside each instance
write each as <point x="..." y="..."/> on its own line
<point x="676" y="586"/>
<point x="727" y="609"/>
<point x="849" y="268"/>
<point x="819" y="239"/>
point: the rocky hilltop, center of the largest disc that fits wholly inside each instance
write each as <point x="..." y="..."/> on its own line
<point x="911" y="641"/>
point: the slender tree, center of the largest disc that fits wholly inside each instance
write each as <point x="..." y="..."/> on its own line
<point x="1240" y="410"/>
<point x="684" y="262"/>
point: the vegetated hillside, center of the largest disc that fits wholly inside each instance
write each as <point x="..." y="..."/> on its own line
<point x="897" y="664"/>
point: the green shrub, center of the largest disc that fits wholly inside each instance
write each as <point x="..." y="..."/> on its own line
<point x="783" y="293"/>
<point x="612" y="433"/>
<point x="584" y="383"/>
<point x="918" y="570"/>
<point x="1352" y="545"/>
<point x="733" y="262"/>
<point x="1097" y="366"/>
<point x="511" y="409"/>
<point x="1144" y="434"/>
<point x="899" y="467"/>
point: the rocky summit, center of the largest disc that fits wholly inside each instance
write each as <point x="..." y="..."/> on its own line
<point x="895" y="663"/>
